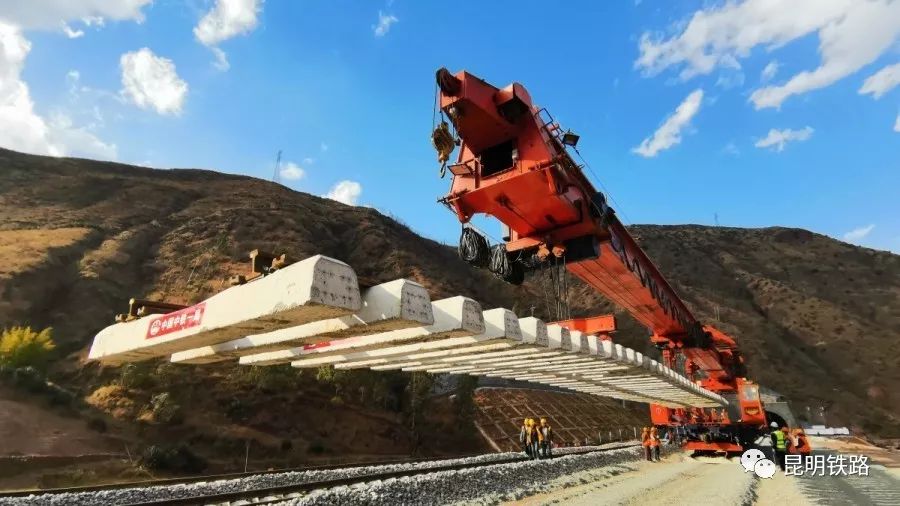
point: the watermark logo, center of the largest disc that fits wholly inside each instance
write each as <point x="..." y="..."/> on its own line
<point x="750" y="457"/>
<point x="826" y="465"/>
<point x="764" y="468"/>
<point x="805" y="465"/>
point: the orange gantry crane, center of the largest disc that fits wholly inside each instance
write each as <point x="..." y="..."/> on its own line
<point x="512" y="163"/>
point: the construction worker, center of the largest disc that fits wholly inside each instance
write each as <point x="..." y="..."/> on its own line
<point x="780" y="443"/>
<point x="645" y="442"/>
<point x="654" y="443"/>
<point x="800" y="443"/>
<point x="523" y="437"/>
<point x="538" y="441"/>
<point x="546" y="438"/>
<point x="534" y="439"/>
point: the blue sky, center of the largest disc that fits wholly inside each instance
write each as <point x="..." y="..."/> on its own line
<point x="680" y="119"/>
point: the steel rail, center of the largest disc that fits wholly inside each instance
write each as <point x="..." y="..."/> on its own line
<point x="279" y="493"/>
<point x="224" y="476"/>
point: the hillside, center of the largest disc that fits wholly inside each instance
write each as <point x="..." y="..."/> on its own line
<point x="818" y="319"/>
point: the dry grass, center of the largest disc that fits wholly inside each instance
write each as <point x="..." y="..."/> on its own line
<point x="21" y="250"/>
<point x="179" y="234"/>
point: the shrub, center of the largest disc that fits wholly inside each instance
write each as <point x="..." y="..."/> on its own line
<point x="267" y="378"/>
<point x="135" y="376"/>
<point x="465" y="399"/>
<point x="325" y="374"/>
<point x="97" y="425"/>
<point x="178" y="458"/>
<point x="29" y="379"/>
<point x="167" y="374"/>
<point x="24" y="347"/>
<point x="236" y="410"/>
<point x="164" y="408"/>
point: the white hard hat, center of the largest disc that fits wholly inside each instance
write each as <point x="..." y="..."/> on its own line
<point x="774" y="425"/>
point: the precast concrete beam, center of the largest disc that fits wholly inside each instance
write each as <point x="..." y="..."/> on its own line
<point x="500" y="328"/>
<point x="453" y="317"/>
<point x="389" y="363"/>
<point x="502" y="336"/>
<point x="316" y="288"/>
<point x="398" y="304"/>
<point x="539" y="342"/>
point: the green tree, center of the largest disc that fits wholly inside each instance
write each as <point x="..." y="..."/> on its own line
<point x="23" y="347"/>
<point x="465" y="400"/>
<point x="420" y="385"/>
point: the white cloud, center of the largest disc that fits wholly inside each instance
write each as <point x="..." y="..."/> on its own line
<point x="70" y="33"/>
<point x="851" y="34"/>
<point x="731" y="149"/>
<point x="347" y="192"/>
<point x="98" y="21"/>
<point x="56" y="14"/>
<point x="384" y="24"/>
<point x="669" y="133"/>
<point x="780" y="138"/>
<point x="308" y="161"/>
<point x="882" y="81"/>
<point x="897" y="123"/>
<point x="291" y="172"/>
<point x="323" y="147"/>
<point x="151" y="82"/>
<point x="79" y="140"/>
<point x="21" y="128"/>
<point x="858" y="234"/>
<point x="769" y="71"/>
<point x="227" y="19"/>
<point x="221" y="61"/>
<point x="730" y="79"/>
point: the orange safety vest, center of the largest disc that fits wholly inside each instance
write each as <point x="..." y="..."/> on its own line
<point x="645" y="438"/>
<point x="654" y="440"/>
<point x="801" y="445"/>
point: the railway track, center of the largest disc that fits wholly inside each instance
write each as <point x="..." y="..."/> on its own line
<point x="272" y="495"/>
<point x="216" y="477"/>
<point x="284" y="492"/>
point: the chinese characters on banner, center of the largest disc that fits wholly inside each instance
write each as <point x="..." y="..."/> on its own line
<point x="826" y="465"/>
<point x="175" y="321"/>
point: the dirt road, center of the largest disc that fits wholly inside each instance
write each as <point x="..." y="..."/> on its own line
<point x="680" y="479"/>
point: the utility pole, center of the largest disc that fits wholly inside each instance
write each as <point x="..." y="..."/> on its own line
<point x="277" y="166"/>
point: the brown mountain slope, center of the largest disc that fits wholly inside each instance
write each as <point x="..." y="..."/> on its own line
<point x="819" y="320"/>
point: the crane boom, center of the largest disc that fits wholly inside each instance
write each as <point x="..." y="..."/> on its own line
<point x="512" y="164"/>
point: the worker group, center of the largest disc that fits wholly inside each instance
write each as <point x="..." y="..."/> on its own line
<point x="536" y="438"/>
<point x="786" y="441"/>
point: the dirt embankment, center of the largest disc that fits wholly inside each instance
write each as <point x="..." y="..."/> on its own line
<point x="818" y="320"/>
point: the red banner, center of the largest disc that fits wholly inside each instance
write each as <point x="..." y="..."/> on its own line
<point x="176" y="321"/>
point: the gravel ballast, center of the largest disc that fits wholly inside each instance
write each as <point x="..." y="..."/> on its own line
<point x="163" y="492"/>
<point x="483" y="485"/>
